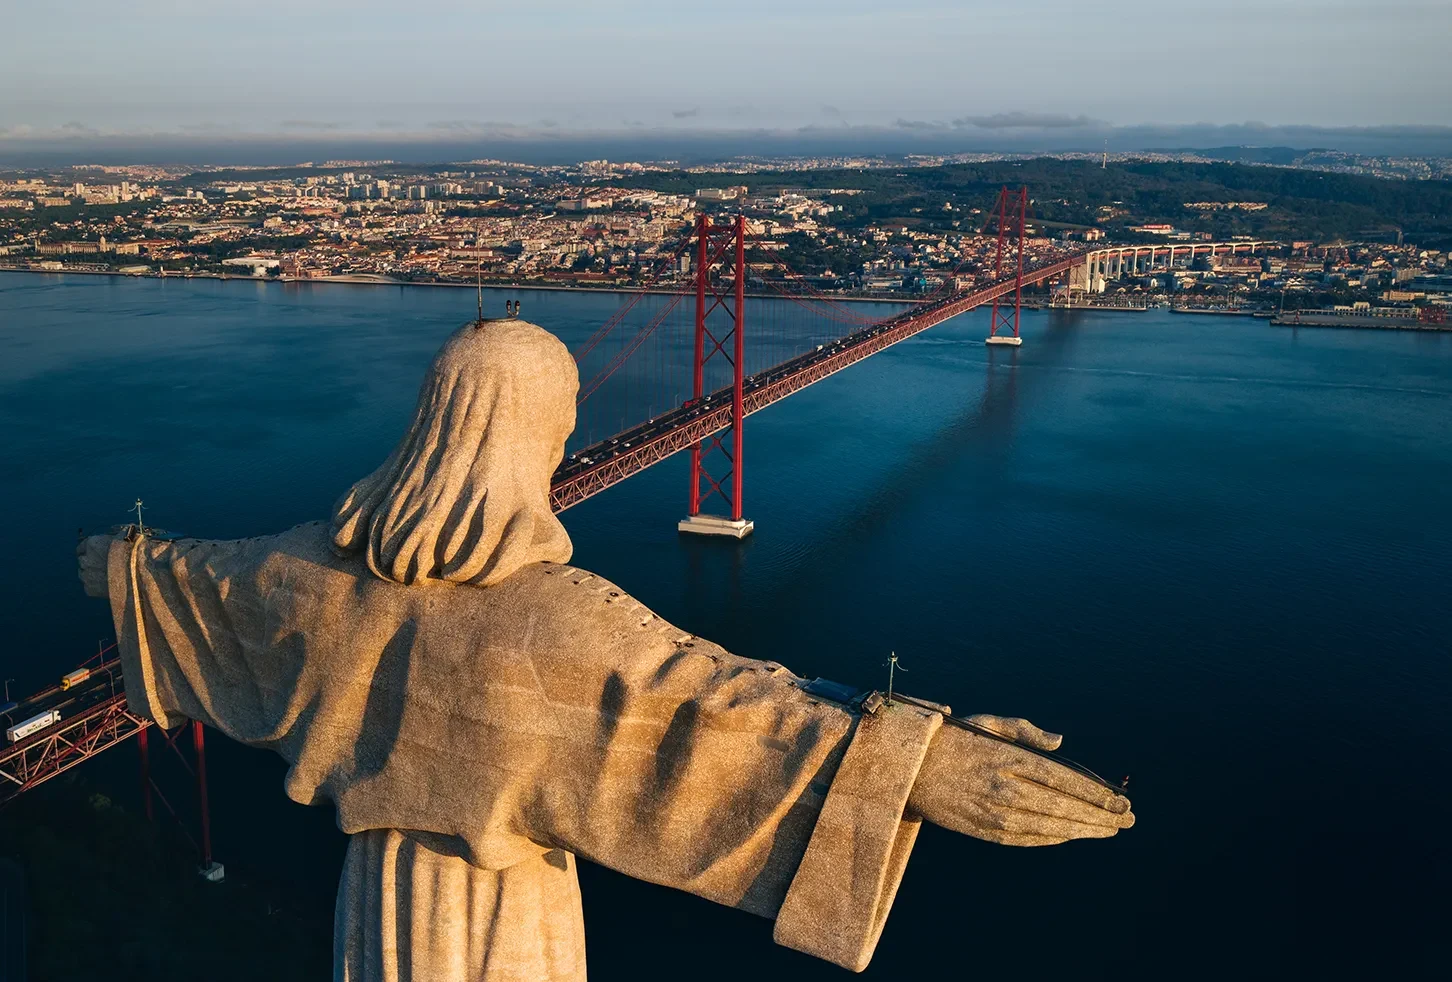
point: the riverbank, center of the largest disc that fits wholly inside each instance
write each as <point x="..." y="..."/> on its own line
<point x="371" y="280"/>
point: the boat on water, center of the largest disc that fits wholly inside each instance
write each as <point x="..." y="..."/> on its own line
<point x="1219" y="311"/>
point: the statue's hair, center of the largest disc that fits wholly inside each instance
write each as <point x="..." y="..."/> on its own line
<point x="465" y="496"/>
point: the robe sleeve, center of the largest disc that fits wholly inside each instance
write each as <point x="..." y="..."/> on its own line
<point x="825" y="861"/>
<point x="844" y="886"/>
<point x="151" y="685"/>
<point x="703" y="771"/>
<point x="192" y="630"/>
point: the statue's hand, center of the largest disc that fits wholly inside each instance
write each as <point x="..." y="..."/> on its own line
<point x="91" y="555"/>
<point x="995" y="791"/>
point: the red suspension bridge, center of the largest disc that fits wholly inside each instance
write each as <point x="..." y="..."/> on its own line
<point x="679" y="383"/>
<point x="659" y="377"/>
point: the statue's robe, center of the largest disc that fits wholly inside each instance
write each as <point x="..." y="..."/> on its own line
<point x="474" y="740"/>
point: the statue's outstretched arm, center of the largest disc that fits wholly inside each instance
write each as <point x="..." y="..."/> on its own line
<point x="1002" y="793"/>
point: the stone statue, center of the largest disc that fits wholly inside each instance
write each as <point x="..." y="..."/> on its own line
<point x="480" y="712"/>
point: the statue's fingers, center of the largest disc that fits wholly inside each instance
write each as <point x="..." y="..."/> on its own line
<point x="1003" y="838"/>
<point x="1034" y="797"/>
<point x="1055" y="775"/>
<point x="1020" y="730"/>
<point x="1017" y="822"/>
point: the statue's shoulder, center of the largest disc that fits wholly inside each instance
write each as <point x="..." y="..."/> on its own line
<point x="311" y="540"/>
<point x="296" y="550"/>
<point x="575" y="599"/>
<point x="571" y="604"/>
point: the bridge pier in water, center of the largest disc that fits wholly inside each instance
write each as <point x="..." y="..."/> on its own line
<point x="736" y="528"/>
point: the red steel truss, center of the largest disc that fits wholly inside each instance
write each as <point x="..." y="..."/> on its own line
<point x="58" y="748"/>
<point x="1009" y="214"/>
<point x="196" y="769"/>
<point x="719" y="244"/>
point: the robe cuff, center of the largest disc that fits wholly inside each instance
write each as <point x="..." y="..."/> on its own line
<point x="840" y="897"/>
<point x="124" y="573"/>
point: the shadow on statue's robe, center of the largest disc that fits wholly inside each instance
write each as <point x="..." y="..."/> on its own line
<point x="383" y="714"/>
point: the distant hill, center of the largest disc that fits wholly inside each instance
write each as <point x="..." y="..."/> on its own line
<point x="1280" y="156"/>
<point x="1300" y="203"/>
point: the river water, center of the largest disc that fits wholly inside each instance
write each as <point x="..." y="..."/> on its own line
<point x="1212" y="552"/>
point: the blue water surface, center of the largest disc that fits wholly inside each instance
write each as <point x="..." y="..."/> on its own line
<point x="1213" y="552"/>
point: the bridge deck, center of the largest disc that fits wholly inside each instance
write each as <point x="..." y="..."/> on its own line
<point x="94" y="717"/>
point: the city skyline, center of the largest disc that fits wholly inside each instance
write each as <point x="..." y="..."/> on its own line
<point x="1044" y="72"/>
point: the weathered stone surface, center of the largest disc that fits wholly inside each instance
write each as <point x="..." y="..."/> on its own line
<point x="479" y="712"/>
<point x="408" y="911"/>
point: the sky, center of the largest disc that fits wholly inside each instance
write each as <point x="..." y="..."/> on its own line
<point x="448" y="69"/>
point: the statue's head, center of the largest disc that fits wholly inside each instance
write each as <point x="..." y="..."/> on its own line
<point x="465" y="496"/>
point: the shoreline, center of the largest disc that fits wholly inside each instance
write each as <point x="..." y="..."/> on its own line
<point x="1361" y="324"/>
<point x="366" y="280"/>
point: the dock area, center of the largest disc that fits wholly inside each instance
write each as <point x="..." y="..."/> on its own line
<point x="1364" y="315"/>
<point x="1364" y="323"/>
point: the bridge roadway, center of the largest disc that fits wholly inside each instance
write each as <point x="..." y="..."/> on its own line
<point x="93" y="717"/>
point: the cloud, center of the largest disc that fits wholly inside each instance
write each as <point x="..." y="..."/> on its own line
<point x="78" y="129"/>
<point x="473" y="126"/>
<point x="686" y="113"/>
<point x="1028" y="121"/>
<point x="916" y="124"/>
<point x="309" y="124"/>
<point x="832" y="111"/>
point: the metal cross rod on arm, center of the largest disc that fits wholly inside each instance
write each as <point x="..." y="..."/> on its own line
<point x="893" y="667"/>
<point x="132" y="529"/>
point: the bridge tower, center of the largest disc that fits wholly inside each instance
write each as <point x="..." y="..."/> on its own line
<point x="721" y="245"/>
<point x="210" y="869"/>
<point x="1010" y="214"/>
